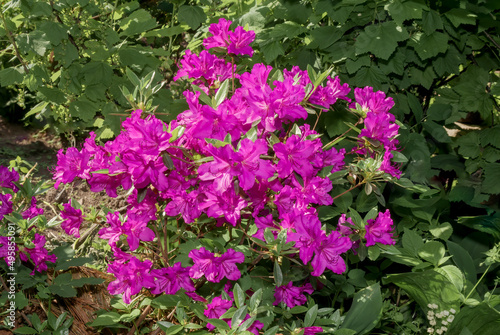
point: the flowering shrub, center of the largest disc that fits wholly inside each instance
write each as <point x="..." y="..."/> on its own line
<point x="231" y="189"/>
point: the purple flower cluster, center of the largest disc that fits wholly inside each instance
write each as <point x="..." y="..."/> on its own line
<point x="38" y="254"/>
<point x="243" y="160"/>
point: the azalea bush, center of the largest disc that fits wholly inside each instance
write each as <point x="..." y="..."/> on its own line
<point x="222" y="229"/>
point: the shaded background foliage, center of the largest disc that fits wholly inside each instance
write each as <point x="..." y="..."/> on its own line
<point x="64" y="63"/>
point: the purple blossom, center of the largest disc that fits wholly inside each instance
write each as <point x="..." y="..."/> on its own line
<point x="215" y="268"/>
<point x="135" y="227"/>
<point x="228" y="204"/>
<point x="327" y="254"/>
<point x="240" y="42"/>
<point x="5" y="205"/>
<point x="294" y="155"/>
<point x="7" y="178"/>
<point x="375" y="102"/>
<point x="71" y="165"/>
<point x="39" y="255"/>
<point x="8" y="249"/>
<point x="388" y="167"/>
<point x="32" y="211"/>
<point x="292" y="295"/>
<point x="220" y="34"/>
<point x="216" y="309"/>
<point x="73" y="218"/>
<point x="130" y="278"/>
<point x="312" y="330"/>
<point x="172" y="279"/>
<point x="380" y="230"/>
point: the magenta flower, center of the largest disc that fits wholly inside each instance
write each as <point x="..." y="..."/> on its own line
<point x="312" y="330"/>
<point x="380" y="230"/>
<point x="6" y="249"/>
<point x="220" y="34"/>
<point x="7" y="178"/>
<point x="172" y="279"/>
<point x="73" y="218"/>
<point x="375" y="102"/>
<point x="327" y="254"/>
<point x="5" y="205"/>
<point x="292" y="295"/>
<point x="32" y="211"/>
<point x="345" y="225"/>
<point x="380" y="127"/>
<point x="294" y="155"/>
<point x="228" y="204"/>
<point x="130" y="278"/>
<point x="240" y="42"/>
<point x="388" y="167"/>
<point x="71" y="165"/>
<point x="215" y="309"/>
<point x="215" y="268"/>
<point x="39" y="255"/>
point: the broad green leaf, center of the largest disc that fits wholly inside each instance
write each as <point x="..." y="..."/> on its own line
<point x="401" y="10"/>
<point x="353" y="66"/>
<point x="459" y="16"/>
<point x="428" y="287"/>
<point x="428" y="46"/>
<point x="366" y="310"/>
<point x="83" y="109"/>
<point x="272" y="50"/>
<point x="164" y="301"/>
<point x="491" y="183"/>
<point x="56" y="32"/>
<point x="372" y="76"/>
<point x="432" y="251"/>
<point x="192" y="15"/>
<point x="53" y="94"/>
<point x="166" y="31"/>
<point x="478" y="320"/>
<point x="36" y="41"/>
<point x="412" y="241"/>
<point x="442" y="231"/>
<point x="24" y="330"/>
<point x="486" y="223"/>
<point x="311" y="315"/>
<point x="64" y="265"/>
<point x="437" y="131"/>
<point x="454" y="275"/>
<point x="380" y="39"/>
<point x="239" y="296"/>
<point x="220" y="324"/>
<point x="10" y="76"/>
<point x="137" y="22"/>
<point x="431" y="21"/>
<point x="221" y="94"/>
<point x="324" y="36"/>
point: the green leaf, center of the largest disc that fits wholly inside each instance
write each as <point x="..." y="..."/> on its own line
<point x="454" y="275"/>
<point x="372" y="76"/>
<point x="442" y="231"/>
<point x="238" y="316"/>
<point x="412" y="241"/>
<point x="311" y="316"/>
<point x="428" y="46"/>
<point x="353" y="66"/>
<point x="164" y="301"/>
<point x="459" y="16"/>
<point x="278" y="275"/>
<point x="36" y="41"/>
<point x="462" y="260"/>
<point x="478" y="320"/>
<point x="106" y="319"/>
<point x="432" y="251"/>
<point x="11" y="76"/>
<point x="221" y="94"/>
<point x="486" y="223"/>
<point x="192" y="15"/>
<point x="431" y="21"/>
<point x="437" y="131"/>
<point x="324" y="36"/>
<point x="381" y="39"/>
<point x="239" y="296"/>
<point x="64" y="265"/>
<point x="65" y="291"/>
<point x="56" y="32"/>
<point x="166" y="31"/>
<point x="83" y="109"/>
<point x="271" y="50"/>
<point x="401" y="11"/>
<point x="21" y="300"/>
<point x="428" y="287"/>
<point x="24" y="330"/>
<point x="137" y="22"/>
<point x="490" y="184"/>
<point x="219" y="324"/>
<point x="53" y="94"/>
<point x="366" y="310"/>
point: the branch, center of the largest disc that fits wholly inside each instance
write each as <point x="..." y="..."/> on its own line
<point x="11" y="39"/>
